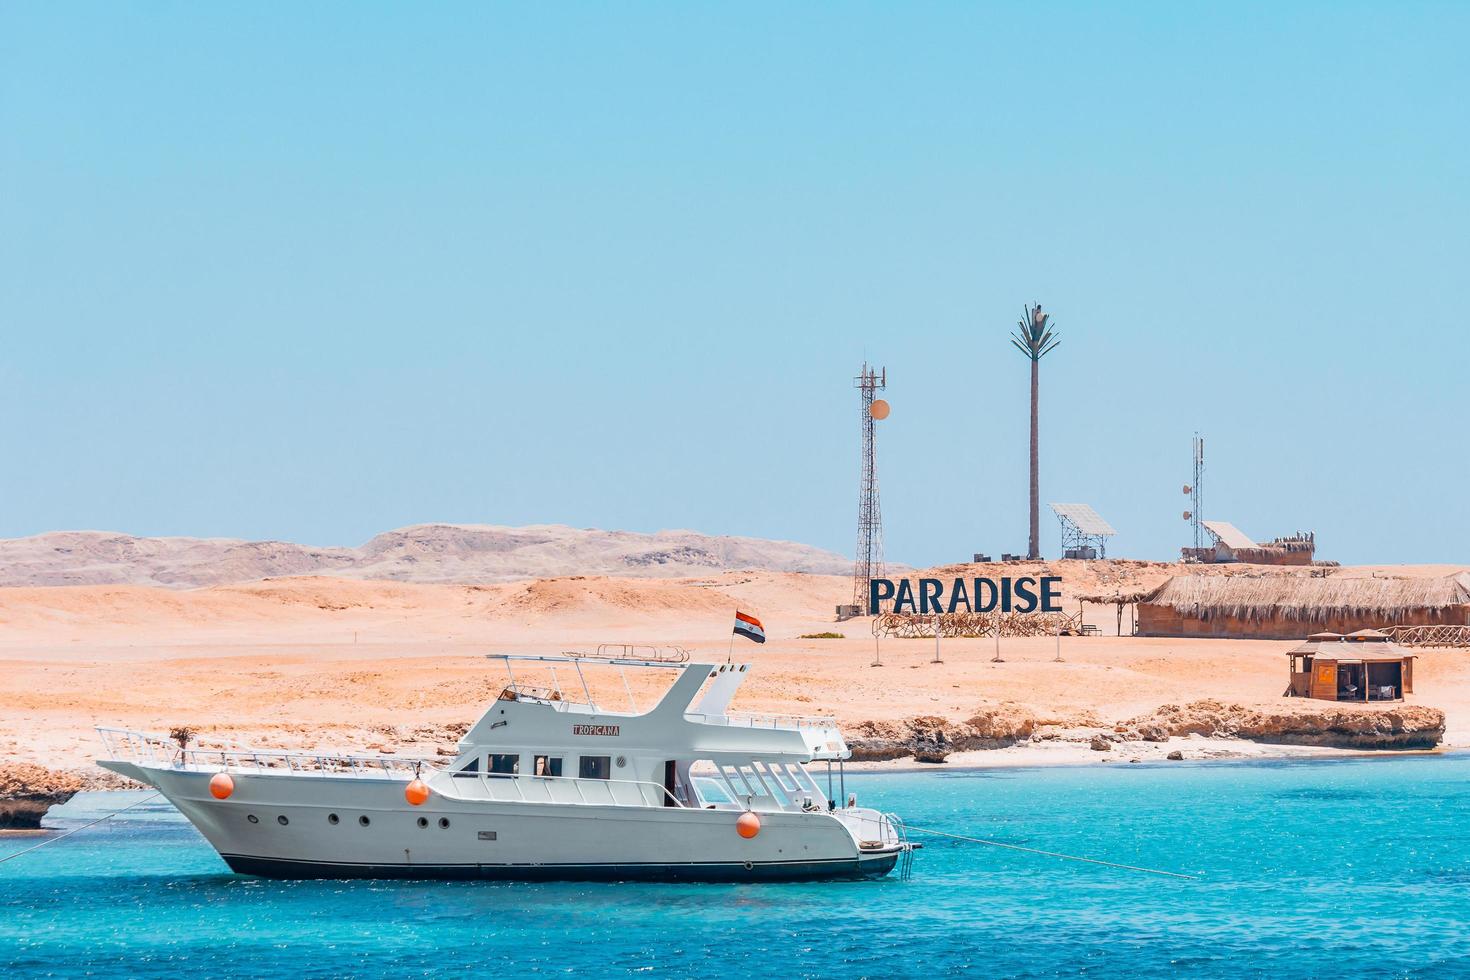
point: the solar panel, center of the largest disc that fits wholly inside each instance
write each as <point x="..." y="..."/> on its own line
<point x="1084" y="518"/>
<point x="1233" y="536"/>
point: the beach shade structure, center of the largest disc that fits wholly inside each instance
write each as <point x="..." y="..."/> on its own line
<point x="1120" y="599"/>
<point x="1363" y="666"/>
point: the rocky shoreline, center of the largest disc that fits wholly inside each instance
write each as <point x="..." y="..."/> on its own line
<point x="28" y="791"/>
<point x="933" y="739"/>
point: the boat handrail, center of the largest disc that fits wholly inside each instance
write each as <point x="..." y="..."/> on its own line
<point x="145" y="748"/>
<point x="643" y="652"/>
<point x="763" y="721"/>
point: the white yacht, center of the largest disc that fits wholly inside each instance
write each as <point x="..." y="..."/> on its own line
<point x="546" y="785"/>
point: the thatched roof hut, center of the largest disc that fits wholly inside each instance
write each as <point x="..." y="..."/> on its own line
<point x="1289" y="607"/>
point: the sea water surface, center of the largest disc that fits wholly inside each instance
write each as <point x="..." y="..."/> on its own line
<point x="1322" y="868"/>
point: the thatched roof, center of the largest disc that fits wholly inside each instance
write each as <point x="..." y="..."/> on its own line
<point x="1118" y="595"/>
<point x="1308" y="599"/>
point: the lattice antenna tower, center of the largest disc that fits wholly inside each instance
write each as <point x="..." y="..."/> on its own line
<point x="1195" y="513"/>
<point x="869" y="563"/>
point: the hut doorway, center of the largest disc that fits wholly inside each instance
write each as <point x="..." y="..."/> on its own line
<point x="1350" y="684"/>
<point x="1385" y="681"/>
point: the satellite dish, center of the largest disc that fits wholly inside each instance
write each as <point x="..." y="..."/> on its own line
<point x="1187" y="515"/>
<point x="1188" y="489"/>
<point x="879" y="409"/>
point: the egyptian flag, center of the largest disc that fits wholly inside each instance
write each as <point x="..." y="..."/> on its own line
<point x="749" y="627"/>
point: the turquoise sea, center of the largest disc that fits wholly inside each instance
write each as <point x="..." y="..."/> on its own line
<point x="1343" y="868"/>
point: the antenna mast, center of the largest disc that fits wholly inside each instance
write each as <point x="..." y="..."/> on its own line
<point x="869" y="563"/>
<point x="1195" y="492"/>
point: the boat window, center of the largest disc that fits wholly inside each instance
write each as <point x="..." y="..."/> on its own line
<point x="504" y="765"/>
<point x="471" y="768"/>
<point x="711" y="790"/>
<point x="548" y="765"/>
<point x="595" y="767"/>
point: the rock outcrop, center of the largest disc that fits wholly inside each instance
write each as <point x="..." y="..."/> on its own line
<point x="27" y="792"/>
<point x="931" y="739"/>
<point x="1398" y="726"/>
<point x="927" y="738"/>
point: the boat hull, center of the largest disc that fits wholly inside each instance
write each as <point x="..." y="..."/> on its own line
<point x="866" y="866"/>
<point x="305" y="826"/>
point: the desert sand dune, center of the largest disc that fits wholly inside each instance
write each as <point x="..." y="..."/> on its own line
<point x="330" y="662"/>
<point x="461" y="553"/>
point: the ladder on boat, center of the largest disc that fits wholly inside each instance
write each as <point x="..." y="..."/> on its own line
<point x="905" y="849"/>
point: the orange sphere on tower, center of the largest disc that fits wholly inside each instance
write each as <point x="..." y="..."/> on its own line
<point x="221" y="785"/>
<point x="748" y="825"/>
<point x="416" y="792"/>
<point x="879" y="409"/>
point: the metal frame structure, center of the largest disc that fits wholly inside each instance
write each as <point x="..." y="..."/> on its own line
<point x="869" y="561"/>
<point x="1196" y="495"/>
<point x="1082" y="527"/>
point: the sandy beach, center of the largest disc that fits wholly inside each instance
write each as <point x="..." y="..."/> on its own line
<point x="325" y="662"/>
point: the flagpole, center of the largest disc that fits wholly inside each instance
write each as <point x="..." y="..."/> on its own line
<point x="730" y="657"/>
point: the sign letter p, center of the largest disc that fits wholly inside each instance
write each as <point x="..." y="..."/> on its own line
<point x="878" y="590"/>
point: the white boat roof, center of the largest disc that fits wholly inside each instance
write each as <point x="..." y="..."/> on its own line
<point x="690" y="718"/>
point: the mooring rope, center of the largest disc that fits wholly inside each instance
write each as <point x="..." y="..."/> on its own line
<point x="53" y="840"/>
<point x="1054" y="854"/>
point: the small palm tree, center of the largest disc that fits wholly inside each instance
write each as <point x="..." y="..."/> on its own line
<point x="1034" y="338"/>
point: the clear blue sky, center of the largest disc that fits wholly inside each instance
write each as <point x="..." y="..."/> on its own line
<point x="315" y="271"/>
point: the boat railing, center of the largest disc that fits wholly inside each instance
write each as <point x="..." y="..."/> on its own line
<point x="873" y="826"/>
<point x="642" y="652"/>
<point x="143" y="748"/>
<point x="575" y="790"/>
<point x="763" y="721"/>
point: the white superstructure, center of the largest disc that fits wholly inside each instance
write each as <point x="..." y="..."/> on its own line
<point x="546" y="785"/>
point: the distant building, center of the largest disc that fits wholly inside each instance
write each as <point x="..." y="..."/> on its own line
<point x="1232" y="545"/>
<point x="1290" y="607"/>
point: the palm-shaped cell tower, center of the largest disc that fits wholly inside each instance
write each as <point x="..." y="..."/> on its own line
<point x="869" y="564"/>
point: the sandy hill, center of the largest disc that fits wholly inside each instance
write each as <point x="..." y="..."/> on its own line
<point x="463" y="553"/>
<point x="350" y="663"/>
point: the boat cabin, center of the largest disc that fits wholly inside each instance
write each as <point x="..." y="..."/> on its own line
<point x="1362" y="666"/>
<point x="550" y="734"/>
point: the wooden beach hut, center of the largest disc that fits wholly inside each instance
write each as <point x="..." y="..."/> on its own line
<point x="1291" y="607"/>
<point x="1362" y="666"/>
